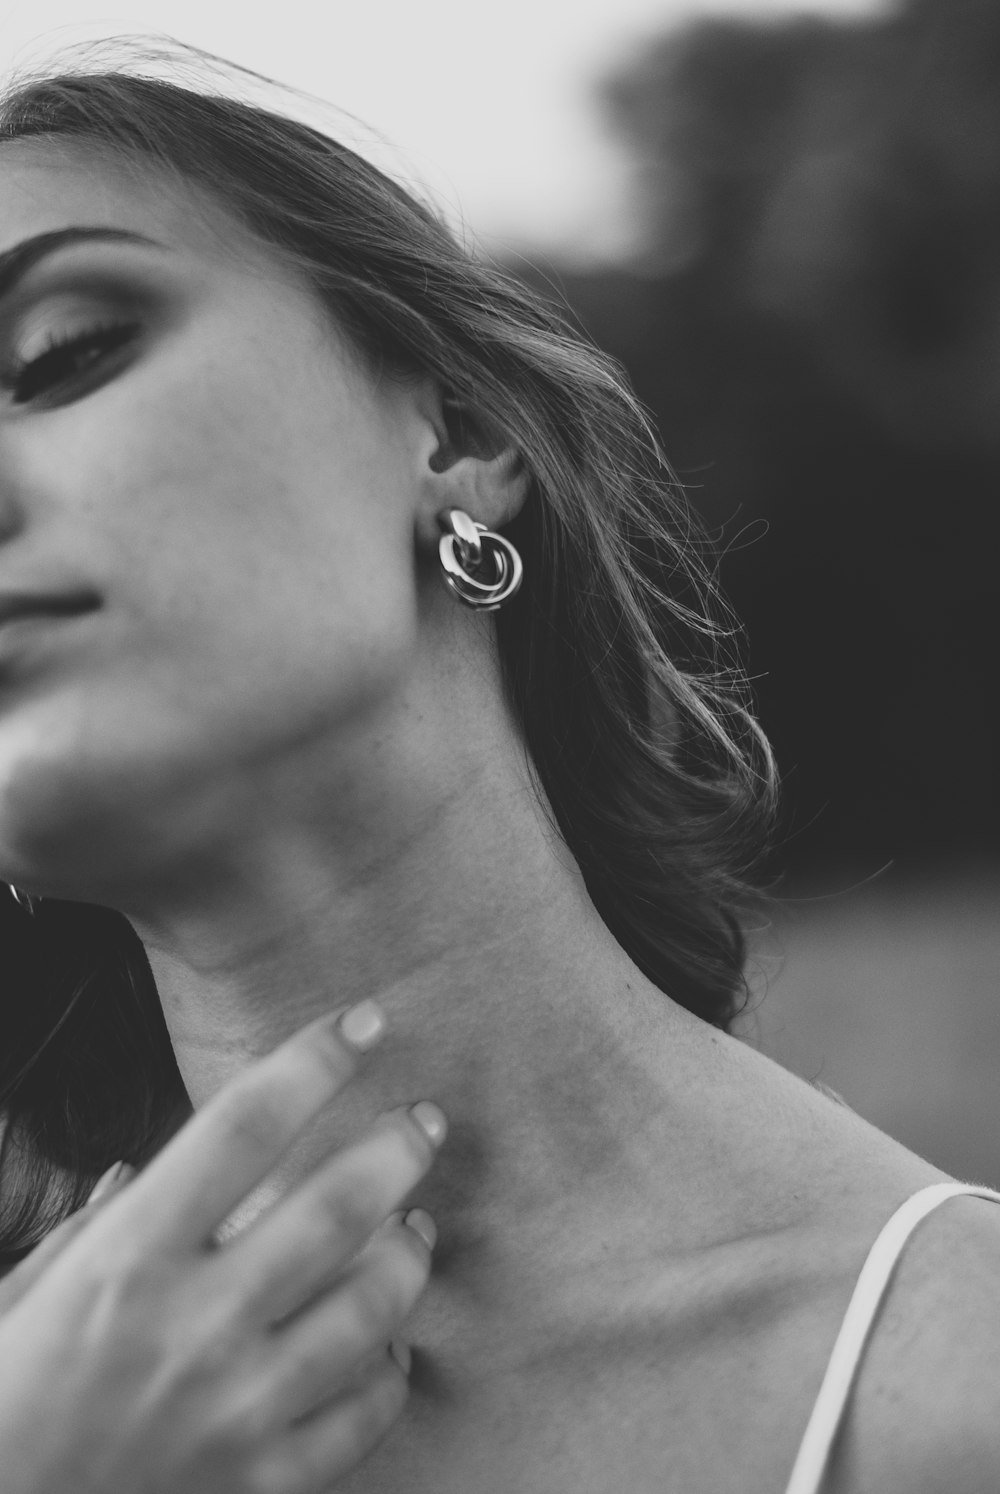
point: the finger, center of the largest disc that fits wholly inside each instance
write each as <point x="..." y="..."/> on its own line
<point x="315" y="1351"/>
<point x="228" y="1147"/>
<point x="21" y="1277"/>
<point x="110" y="1182"/>
<point x="290" y="1251"/>
<point x="17" y="1281"/>
<point x="325" y="1447"/>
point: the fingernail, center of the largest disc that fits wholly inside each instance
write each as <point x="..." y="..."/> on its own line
<point x="118" y="1172"/>
<point x="422" y="1224"/>
<point x="363" y="1025"/>
<point x="430" y="1120"/>
<point x="401" y="1353"/>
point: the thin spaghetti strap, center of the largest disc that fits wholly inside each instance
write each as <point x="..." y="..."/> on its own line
<point x="827" y="1413"/>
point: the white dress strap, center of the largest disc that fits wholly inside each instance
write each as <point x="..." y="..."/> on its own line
<point x="827" y="1413"/>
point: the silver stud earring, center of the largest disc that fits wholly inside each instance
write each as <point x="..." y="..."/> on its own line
<point x="466" y="550"/>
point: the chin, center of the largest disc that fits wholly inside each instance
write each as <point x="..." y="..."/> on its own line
<point x="80" y="815"/>
<point x="54" y="839"/>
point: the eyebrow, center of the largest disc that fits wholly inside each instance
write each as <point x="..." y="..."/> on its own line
<point x="16" y="262"/>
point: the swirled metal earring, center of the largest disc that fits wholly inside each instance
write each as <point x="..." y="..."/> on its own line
<point x="467" y="550"/>
<point x="24" y="899"/>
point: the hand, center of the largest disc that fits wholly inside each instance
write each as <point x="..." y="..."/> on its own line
<point x="144" y="1358"/>
<point x="16" y="1280"/>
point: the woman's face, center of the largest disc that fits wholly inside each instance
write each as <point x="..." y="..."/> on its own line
<point x="190" y="452"/>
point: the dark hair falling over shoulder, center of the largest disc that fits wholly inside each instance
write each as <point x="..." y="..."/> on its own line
<point x="87" y="1070"/>
<point x="616" y="652"/>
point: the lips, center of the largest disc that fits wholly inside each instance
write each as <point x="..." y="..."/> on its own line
<point x="14" y="604"/>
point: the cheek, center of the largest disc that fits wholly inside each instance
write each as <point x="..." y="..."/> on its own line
<point x="251" y="643"/>
<point x="146" y="738"/>
<point x="257" y="570"/>
<point x="255" y="532"/>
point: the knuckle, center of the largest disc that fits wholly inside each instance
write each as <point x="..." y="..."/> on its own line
<point x="122" y="1268"/>
<point x="270" y="1100"/>
<point x="309" y="1362"/>
<point x="373" y="1308"/>
<point x="253" y="1115"/>
<point x="236" y="1421"/>
<point x="384" y="1399"/>
<point x="213" y="1344"/>
<point x="227" y="1446"/>
<point x="385" y="1293"/>
<point x="348" y="1209"/>
<point x="371" y="1412"/>
<point x="347" y="1430"/>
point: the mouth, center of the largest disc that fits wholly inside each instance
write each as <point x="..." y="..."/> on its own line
<point x="15" y="605"/>
<point x="31" y="624"/>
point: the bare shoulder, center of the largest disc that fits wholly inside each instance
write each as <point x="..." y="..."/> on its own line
<point x="924" y="1415"/>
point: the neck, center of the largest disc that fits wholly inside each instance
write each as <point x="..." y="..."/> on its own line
<point x="508" y="1001"/>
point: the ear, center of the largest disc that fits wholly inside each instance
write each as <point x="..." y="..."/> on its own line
<point x="470" y="464"/>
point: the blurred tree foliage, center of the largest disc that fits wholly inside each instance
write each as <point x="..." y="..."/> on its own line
<point x="815" y="324"/>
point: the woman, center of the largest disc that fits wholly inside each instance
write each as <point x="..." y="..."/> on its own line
<point x="258" y="405"/>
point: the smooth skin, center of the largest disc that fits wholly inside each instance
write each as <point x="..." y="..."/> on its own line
<point x="283" y="750"/>
<point x="172" y="1362"/>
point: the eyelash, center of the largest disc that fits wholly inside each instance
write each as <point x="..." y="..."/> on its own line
<point x="29" y="380"/>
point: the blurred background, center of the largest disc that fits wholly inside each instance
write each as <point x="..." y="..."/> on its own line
<point x="784" y="221"/>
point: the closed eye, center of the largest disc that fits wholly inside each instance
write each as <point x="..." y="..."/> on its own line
<point x="67" y="360"/>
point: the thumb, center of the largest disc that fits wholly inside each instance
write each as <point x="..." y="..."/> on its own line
<point x="17" y="1281"/>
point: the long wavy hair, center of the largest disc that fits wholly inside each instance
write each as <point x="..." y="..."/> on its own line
<point x="618" y="654"/>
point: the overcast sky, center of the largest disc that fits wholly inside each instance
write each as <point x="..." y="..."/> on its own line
<point x="490" y="105"/>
